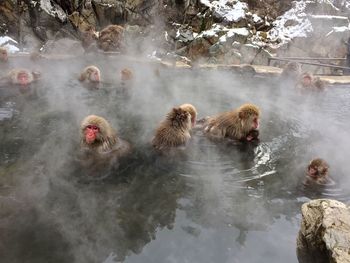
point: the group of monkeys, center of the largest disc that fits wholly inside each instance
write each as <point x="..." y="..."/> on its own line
<point x="101" y="142"/>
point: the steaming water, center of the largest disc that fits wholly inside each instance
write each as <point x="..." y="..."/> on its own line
<point x="227" y="202"/>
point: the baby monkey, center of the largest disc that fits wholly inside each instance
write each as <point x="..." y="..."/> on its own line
<point x="317" y="171"/>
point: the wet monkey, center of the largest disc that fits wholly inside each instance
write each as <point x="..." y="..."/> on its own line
<point x="291" y="71"/>
<point x="174" y="131"/>
<point x="99" y="142"/>
<point x="309" y="82"/>
<point x="22" y="77"/>
<point x="234" y="124"/>
<point x="110" y="38"/>
<point x="3" y="54"/>
<point x="91" y="76"/>
<point x="192" y="111"/>
<point x="317" y="171"/>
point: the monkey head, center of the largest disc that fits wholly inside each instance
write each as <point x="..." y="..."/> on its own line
<point x="306" y="80"/>
<point x="191" y="110"/>
<point x="318" y="168"/>
<point x="180" y="118"/>
<point x="249" y="115"/>
<point x="96" y="130"/>
<point x="91" y="74"/>
<point x="126" y="74"/>
<point x="3" y="54"/>
<point x="22" y="77"/>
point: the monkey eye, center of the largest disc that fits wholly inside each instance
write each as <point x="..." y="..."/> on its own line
<point x="93" y="127"/>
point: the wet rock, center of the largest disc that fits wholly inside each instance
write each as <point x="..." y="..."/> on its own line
<point x="324" y="235"/>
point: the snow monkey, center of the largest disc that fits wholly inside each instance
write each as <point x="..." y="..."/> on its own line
<point x="309" y="82"/>
<point x="90" y="74"/>
<point x="317" y="171"/>
<point x="100" y="139"/>
<point x="21" y="77"/>
<point x="234" y="124"/>
<point x="110" y="38"/>
<point x="191" y="110"/>
<point x="174" y="131"/>
<point x="291" y="71"/>
<point x="3" y="54"/>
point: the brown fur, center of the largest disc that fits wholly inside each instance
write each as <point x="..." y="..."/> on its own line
<point x="3" y="54"/>
<point x="85" y="74"/>
<point x="107" y="137"/>
<point x="126" y="74"/>
<point x="316" y="84"/>
<point x="292" y="71"/>
<point x="110" y="38"/>
<point x="191" y="110"/>
<point x="174" y="131"/>
<point x="88" y="37"/>
<point x="321" y="168"/>
<point x="234" y="124"/>
<point x="12" y="76"/>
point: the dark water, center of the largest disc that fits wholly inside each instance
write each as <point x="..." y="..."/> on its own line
<point x="218" y="203"/>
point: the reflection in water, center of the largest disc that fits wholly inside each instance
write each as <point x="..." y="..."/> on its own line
<point x="219" y="202"/>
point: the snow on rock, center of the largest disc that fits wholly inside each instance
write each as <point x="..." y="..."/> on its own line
<point x="300" y="24"/>
<point x="53" y="10"/>
<point x="9" y="43"/>
<point x="230" y="10"/>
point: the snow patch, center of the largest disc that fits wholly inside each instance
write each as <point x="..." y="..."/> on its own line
<point x="9" y="43"/>
<point x="230" y="10"/>
<point x="53" y="10"/>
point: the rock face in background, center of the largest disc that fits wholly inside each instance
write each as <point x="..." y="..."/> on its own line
<point x="324" y="235"/>
<point x="226" y="31"/>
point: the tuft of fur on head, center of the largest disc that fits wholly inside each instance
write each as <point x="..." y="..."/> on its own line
<point x="13" y="74"/>
<point x="85" y="74"/>
<point x="320" y="165"/>
<point x="190" y="109"/>
<point x="108" y="136"/>
<point x="174" y="130"/>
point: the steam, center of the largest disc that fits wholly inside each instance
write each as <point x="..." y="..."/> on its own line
<point x="218" y="200"/>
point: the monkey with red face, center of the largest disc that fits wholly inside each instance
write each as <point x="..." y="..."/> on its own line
<point x="21" y="77"/>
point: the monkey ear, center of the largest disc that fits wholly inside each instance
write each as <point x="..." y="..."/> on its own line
<point x="241" y="115"/>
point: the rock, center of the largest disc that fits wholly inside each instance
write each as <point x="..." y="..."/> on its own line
<point x="324" y="235"/>
<point x="249" y="52"/>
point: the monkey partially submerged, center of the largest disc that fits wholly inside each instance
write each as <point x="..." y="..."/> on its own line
<point x="317" y="172"/>
<point x="174" y="131"/>
<point x="100" y="144"/>
<point x="234" y="124"/>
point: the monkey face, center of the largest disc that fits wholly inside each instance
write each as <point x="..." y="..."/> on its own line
<point x="91" y="133"/>
<point x="3" y="55"/>
<point x="306" y="81"/>
<point x="255" y="123"/>
<point x="23" y="78"/>
<point x="94" y="75"/>
<point x="317" y="171"/>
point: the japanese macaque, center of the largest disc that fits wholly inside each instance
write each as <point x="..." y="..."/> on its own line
<point x="317" y="171"/>
<point x="88" y="38"/>
<point x="174" y="131"/>
<point x="291" y="71"/>
<point x="192" y="111"/>
<point x="3" y="54"/>
<point x="90" y="74"/>
<point x="235" y="124"/>
<point x="100" y="140"/>
<point x="110" y="38"/>
<point x="126" y="74"/>
<point x="309" y="82"/>
<point x="22" y="77"/>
